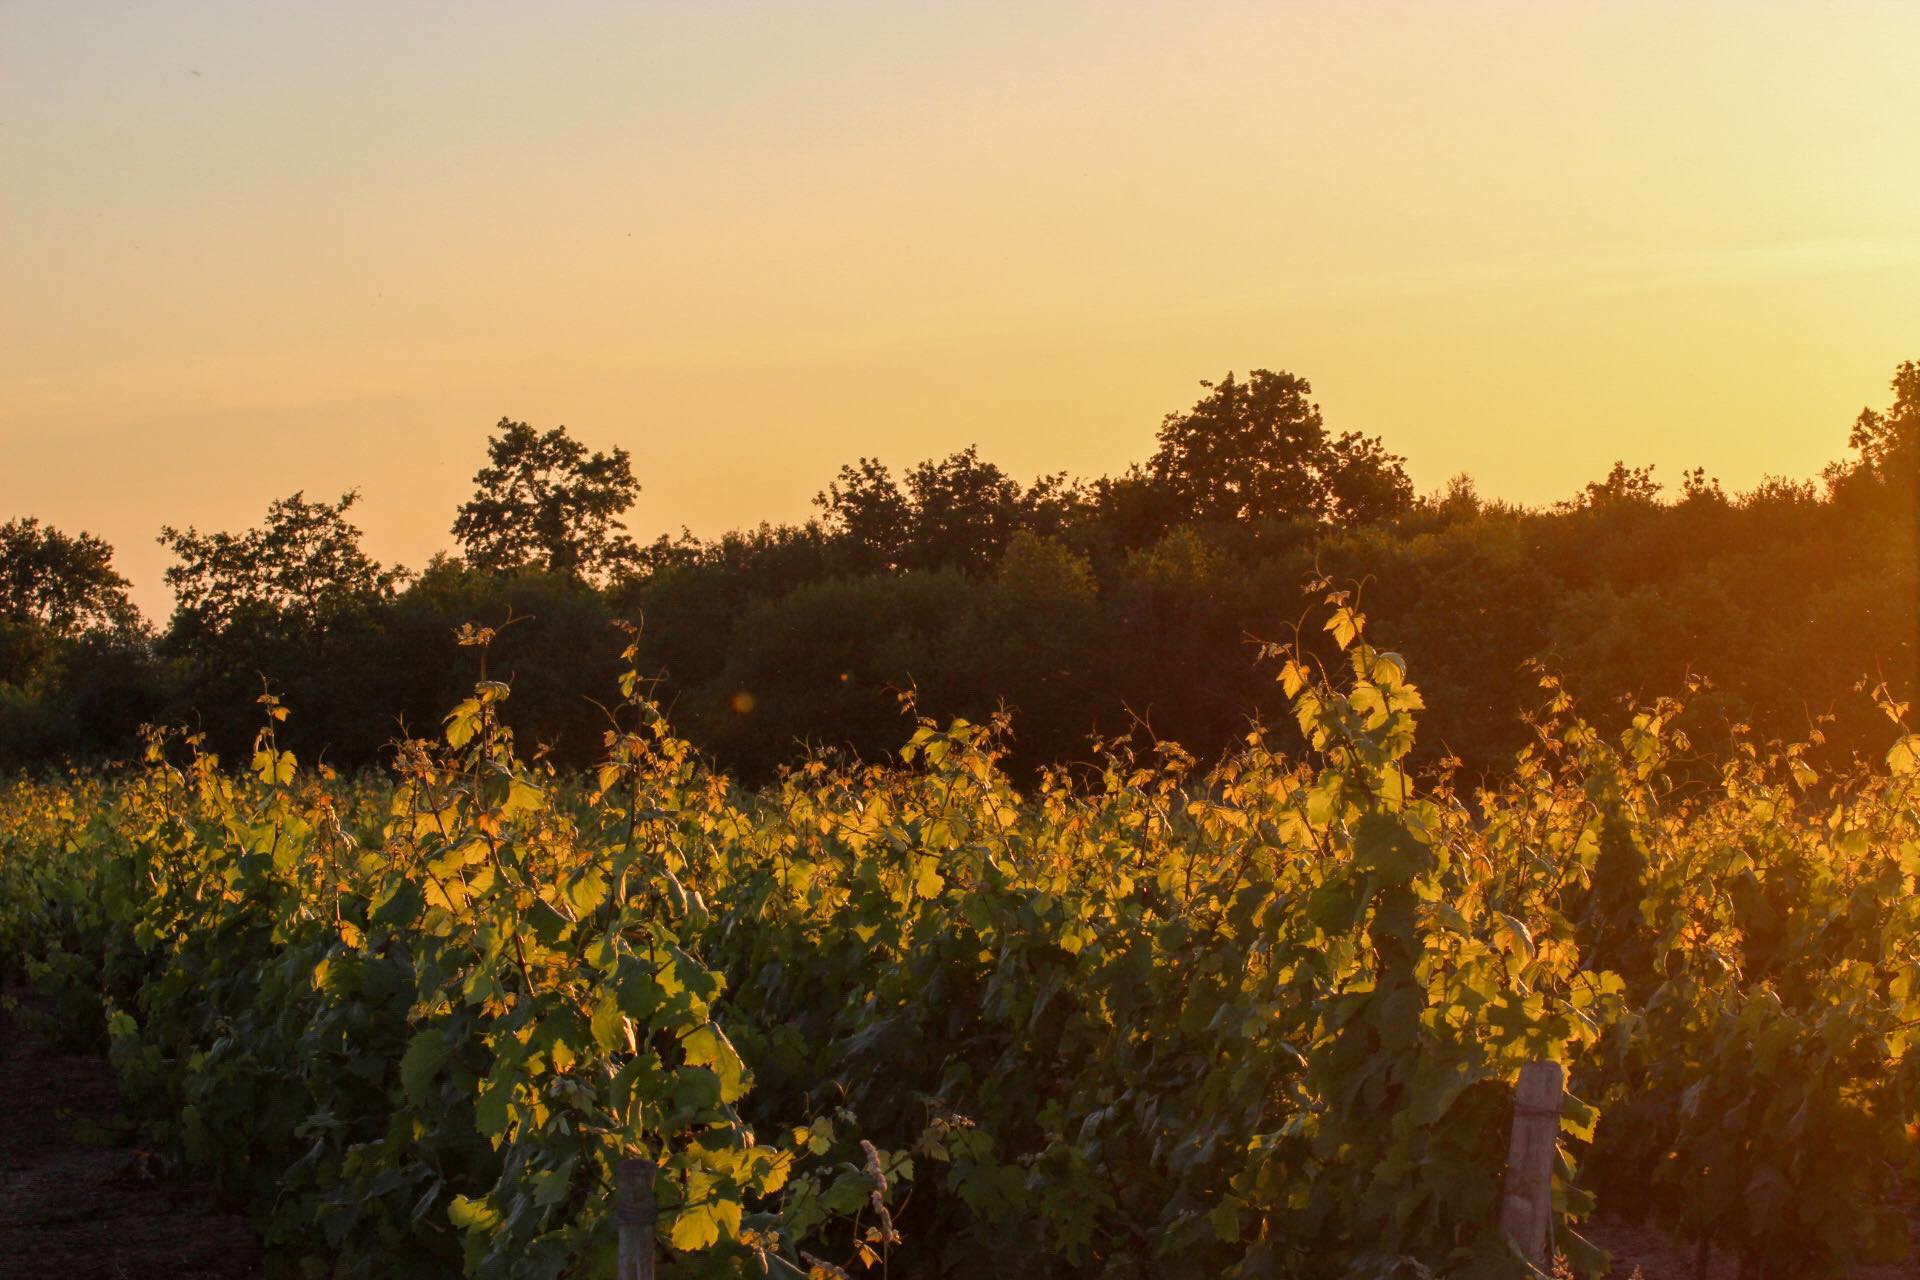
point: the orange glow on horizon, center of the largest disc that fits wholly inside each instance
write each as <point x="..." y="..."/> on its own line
<point x="252" y="250"/>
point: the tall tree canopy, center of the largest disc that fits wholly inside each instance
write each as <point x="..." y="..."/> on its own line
<point x="544" y="502"/>
<point x="956" y="512"/>
<point x="865" y="507"/>
<point x="302" y="566"/>
<point x="63" y="582"/>
<point x="964" y="511"/>
<point x="1622" y="486"/>
<point x="1086" y="607"/>
<point x="1889" y="442"/>
<point x="1260" y="449"/>
<point x="55" y="589"/>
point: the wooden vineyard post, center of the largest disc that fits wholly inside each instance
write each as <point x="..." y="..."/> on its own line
<point x="1526" y="1202"/>
<point x="634" y="1211"/>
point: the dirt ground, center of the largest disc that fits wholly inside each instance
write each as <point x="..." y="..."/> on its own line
<point x="79" y="1198"/>
<point x="1661" y="1259"/>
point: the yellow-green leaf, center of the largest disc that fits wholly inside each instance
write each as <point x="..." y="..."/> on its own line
<point x="700" y="1226"/>
<point x="708" y="1046"/>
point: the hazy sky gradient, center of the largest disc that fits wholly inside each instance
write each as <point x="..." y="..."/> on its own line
<point x="247" y="249"/>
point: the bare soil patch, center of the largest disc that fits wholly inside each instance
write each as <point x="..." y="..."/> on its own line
<point x="1647" y="1247"/>
<point x="80" y="1198"/>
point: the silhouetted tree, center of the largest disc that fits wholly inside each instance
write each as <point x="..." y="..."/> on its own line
<point x="302" y="566"/>
<point x="1622" y="485"/>
<point x="868" y="512"/>
<point x="1082" y="607"/>
<point x="63" y="582"/>
<point x="692" y="594"/>
<point x="1134" y="508"/>
<point x="1878" y="495"/>
<point x="964" y="510"/>
<point x="1888" y="443"/>
<point x="1880" y="436"/>
<point x="546" y="503"/>
<point x="54" y="587"/>
<point x="294" y="602"/>
<point x="1034" y="641"/>
<point x="956" y="512"/>
<point x="1260" y="449"/>
<point x="1054" y="504"/>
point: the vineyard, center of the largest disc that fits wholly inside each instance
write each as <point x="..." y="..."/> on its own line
<point x="1262" y="1019"/>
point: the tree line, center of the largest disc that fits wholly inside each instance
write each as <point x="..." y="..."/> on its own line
<point x="1133" y="604"/>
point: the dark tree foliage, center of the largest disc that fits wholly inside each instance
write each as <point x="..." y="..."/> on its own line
<point x="692" y="594"/>
<point x="1886" y="468"/>
<point x="1134" y="508"/>
<point x="956" y="512"/>
<point x="826" y="665"/>
<point x="63" y="582"/>
<point x="294" y="606"/>
<point x="1260" y="449"/>
<point x="1134" y="604"/>
<point x="300" y="567"/>
<point x="554" y="642"/>
<point x="964" y="511"/>
<point x="869" y="513"/>
<point x="545" y="503"/>
<point x="76" y="660"/>
<point x="1889" y="442"/>
<point x="1625" y="486"/>
<point x="1032" y="640"/>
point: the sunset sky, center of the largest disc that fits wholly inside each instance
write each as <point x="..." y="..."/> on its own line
<point x="248" y="249"/>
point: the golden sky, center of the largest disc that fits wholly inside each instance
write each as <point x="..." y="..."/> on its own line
<point x="252" y="248"/>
